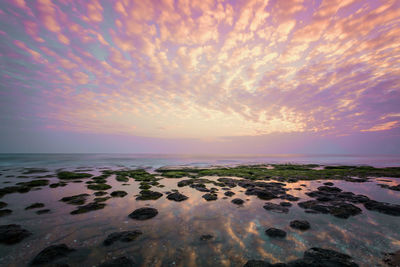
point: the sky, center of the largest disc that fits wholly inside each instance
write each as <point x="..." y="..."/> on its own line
<point x="208" y="76"/>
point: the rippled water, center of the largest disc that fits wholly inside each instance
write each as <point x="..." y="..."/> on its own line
<point x="172" y="238"/>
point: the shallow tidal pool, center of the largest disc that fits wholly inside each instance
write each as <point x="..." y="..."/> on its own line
<point x="175" y="236"/>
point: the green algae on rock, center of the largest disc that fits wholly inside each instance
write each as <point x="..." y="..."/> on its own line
<point x="66" y="175"/>
<point x="99" y="186"/>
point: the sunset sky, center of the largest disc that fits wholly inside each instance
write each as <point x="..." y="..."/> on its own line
<point x="184" y="76"/>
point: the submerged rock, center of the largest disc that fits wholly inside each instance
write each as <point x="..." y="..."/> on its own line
<point x="35" y="206"/>
<point x="393" y="187"/>
<point x="5" y="212"/>
<point x="39" y="212"/>
<point x="52" y="253"/>
<point x="143" y="213"/>
<point x="206" y="237"/>
<point x="89" y="207"/>
<point x="119" y="262"/>
<point x="76" y="199"/>
<point x="285" y="204"/>
<point x="300" y="224"/>
<point x="210" y="196"/>
<point x="125" y="236"/>
<point x="101" y="199"/>
<point x="275" y="208"/>
<point x="313" y="257"/>
<point x="177" y="197"/>
<point x="237" y="201"/>
<point x="149" y="195"/>
<point x="12" y="233"/>
<point x="66" y="175"/>
<point x="274" y="232"/>
<point x="118" y="193"/>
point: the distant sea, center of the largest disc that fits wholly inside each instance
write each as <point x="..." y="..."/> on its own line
<point x="153" y="161"/>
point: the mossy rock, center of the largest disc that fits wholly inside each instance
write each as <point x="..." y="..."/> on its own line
<point x="89" y="207"/>
<point x="122" y="179"/>
<point x="99" y="186"/>
<point x="66" y="175"/>
<point x="118" y="193"/>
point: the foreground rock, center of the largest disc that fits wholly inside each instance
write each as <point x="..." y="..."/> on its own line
<point x="300" y="224"/>
<point x="177" y="197"/>
<point x="12" y="234"/>
<point x="3" y="204"/>
<point x="52" y="253"/>
<point x="119" y="262"/>
<point x="143" y="213"/>
<point x="125" y="236"/>
<point x="89" y="207"/>
<point x="313" y="257"/>
<point x="386" y="208"/>
<point x="274" y="232"/>
<point x="76" y="199"/>
<point x="275" y="208"/>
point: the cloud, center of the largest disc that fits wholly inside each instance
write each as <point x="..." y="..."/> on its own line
<point x="203" y="69"/>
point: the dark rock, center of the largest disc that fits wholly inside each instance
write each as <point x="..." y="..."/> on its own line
<point x="118" y="194"/>
<point x="12" y="233"/>
<point x="119" y="262"/>
<point x="289" y="197"/>
<point x="125" y="236"/>
<point x="101" y="199"/>
<point x="329" y="189"/>
<point x="336" y="208"/>
<point x="392" y="259"/>
<point x="5" y="212"/>
<point x="143" y="213"/>
<point x="76" y="199"/>
<point x="285" y="204"/>
<point x="274" y="232"/>
<point x="237" y="201"/>
<point x="327" y="257"/>
<point x="386" y="208"/>
<point x="35" y="206"/>
<point x="275" y="208"/>
<point x="260" y="263"/>
<point x="52" y="253"/>
<point x="328" y="184"/>
<point x="210" y="196"/>
<point x="87" y="208"/>
<point x="393" y="187"/>
<point x="100" y="193"/>
<point x="3" y="204"/>
<point x="177" y="197"/>
<point x="300" y="224"/>
<point x="149" y="195"/>
<point x="39" y="212"/>
<point x="185" y="183"/>
<point x="229" y="193"/>
<point x="261" y="193"/>
<point x="206" y="237"/>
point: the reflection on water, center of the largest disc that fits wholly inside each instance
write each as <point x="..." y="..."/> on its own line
<point x="172" y="238"/>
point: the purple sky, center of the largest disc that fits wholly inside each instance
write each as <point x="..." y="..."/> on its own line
<point x="205" y="76"/>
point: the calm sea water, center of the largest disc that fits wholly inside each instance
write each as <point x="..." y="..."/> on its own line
<point x="159" y="160"/>
<point x="172" y="238"/>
